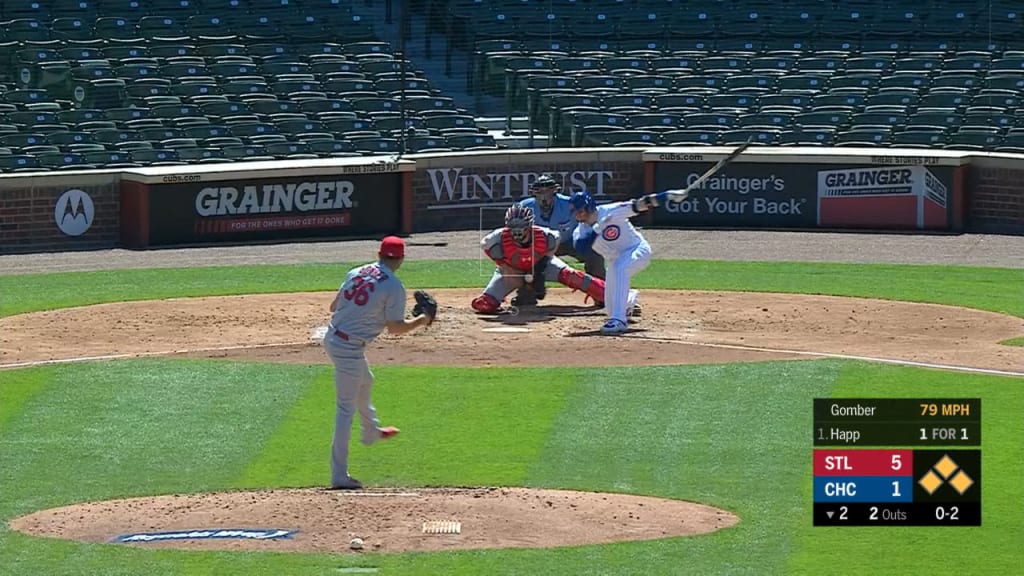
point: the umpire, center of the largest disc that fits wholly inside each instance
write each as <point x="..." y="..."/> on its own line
<point x="552" y="210"/>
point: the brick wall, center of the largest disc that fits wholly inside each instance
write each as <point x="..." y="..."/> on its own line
<point x="449" y="192"/>
<point x="28" y="222"/>
<point x="996" y="201"/>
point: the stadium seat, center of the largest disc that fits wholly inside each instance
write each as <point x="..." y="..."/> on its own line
<point x="690" y="138"/>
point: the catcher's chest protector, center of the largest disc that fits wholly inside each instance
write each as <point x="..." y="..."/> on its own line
<point x="524" y="257"/>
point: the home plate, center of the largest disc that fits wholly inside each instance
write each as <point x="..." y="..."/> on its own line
<point x="507" y="329"/>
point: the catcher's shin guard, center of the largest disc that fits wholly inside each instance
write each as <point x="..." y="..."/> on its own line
<point x="593" y="287"/>
<point x="486" y="304"/>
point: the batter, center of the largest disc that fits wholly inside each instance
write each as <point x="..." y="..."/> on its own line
<point x="607" y="229"/>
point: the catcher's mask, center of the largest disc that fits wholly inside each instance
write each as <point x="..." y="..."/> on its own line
<point x="519" y="221"/>
<point x="544" y="189"/>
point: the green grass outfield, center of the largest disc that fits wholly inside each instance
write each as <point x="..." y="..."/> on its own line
<point x="735" y="436"/>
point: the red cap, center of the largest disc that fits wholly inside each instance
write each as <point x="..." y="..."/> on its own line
<point x="392" y="247"/>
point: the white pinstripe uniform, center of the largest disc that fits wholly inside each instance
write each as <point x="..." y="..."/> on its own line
<point x="625" y="252"/>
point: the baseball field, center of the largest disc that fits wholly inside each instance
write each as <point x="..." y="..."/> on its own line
<point x="184" y="390"/>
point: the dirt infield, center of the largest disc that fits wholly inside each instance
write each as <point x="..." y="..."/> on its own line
<point x="386" y="520"/>
<point x="678" y="327"/>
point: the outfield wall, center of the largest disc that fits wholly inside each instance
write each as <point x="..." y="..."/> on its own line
<point x="767" y="188"/>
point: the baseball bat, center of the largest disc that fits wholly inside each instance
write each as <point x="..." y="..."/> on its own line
<point x="679" y="195"/>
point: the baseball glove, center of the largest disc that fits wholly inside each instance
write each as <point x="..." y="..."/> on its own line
<point x="425" y="305"/>
<point x="538" y="278"/>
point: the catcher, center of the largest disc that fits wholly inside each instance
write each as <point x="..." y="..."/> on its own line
<point x="371" y="299"/>
<point x="525" y="258"/>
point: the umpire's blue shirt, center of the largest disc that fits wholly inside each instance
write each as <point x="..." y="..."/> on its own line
<point x="561" y="219"/>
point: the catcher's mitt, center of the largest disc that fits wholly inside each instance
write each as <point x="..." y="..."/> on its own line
<point x="425" y="305"/>
<point x="537" y="283"/>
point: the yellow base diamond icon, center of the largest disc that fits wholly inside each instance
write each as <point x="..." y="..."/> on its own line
<point x="961" y="482"/>
<point x="946" y="466"/>
<point x="930" y="482"/>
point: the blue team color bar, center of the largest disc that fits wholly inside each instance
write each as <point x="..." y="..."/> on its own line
<point x="863" y="489"/>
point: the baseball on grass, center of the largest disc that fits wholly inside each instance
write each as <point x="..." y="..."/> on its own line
<point x="356" y="544"/>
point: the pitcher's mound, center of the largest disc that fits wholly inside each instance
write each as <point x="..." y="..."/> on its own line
<point x="313" y="520"/>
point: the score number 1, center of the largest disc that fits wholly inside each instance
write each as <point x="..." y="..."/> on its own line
<point x="943" y="434"/>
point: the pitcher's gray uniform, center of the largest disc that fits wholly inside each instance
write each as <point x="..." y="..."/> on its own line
<point x="371" y="296"/>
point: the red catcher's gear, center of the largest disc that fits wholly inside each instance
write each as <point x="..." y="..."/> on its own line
<point x="523" y="258"/>
<point x="593" y="287"/>
<point x="486" y="304"/>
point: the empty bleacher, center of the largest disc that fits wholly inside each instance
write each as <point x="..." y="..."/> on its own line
<point x="940" y="74"/>
<point x="117" y="83"/>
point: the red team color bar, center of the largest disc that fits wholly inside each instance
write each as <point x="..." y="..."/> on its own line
<point x="863" y="462"/>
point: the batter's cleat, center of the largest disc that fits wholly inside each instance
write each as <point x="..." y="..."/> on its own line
<point x="614" y="327"/>
<point x="486" y="304"/>
<point x="389" y="432"/>
<point x="349" y="483"/>
<point x="634" y="313"/>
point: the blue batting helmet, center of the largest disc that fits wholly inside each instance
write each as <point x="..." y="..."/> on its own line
<point x="582" y="200"/>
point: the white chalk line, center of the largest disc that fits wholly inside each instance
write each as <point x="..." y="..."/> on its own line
<point x="932" y="365"/>
<point x="836" y="355"/>
<point x="147" y="354"/>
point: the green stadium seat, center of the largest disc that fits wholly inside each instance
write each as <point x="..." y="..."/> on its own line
<point x="22" y="140"/>
<point x="469" y="142"/>
<point x="689" y="138"/>
<point x="155" y="157"/>
<point x="18" y="163"/>
<point x="334" y="148"/>
<point x="627" y="103"/>
<point x="68" y="138"/>
<point x="821" y="119"/>
<point x="56" y="160"/>
<point x="109" y="158"/>
<point x="650" y="85"/>
<point x="761" y="137"/>
<point x="820" y="136"/>
<point x="919" y="139"/>
<point x="196" y="154"/>
<point x="656" y="122"/>
<point x="714" y="119"/>
<point x="71" y="29"/>
<point x="737" y="102"/>
<point x="26" y="30"/>
<point x="872" y="136"/>
<point x="974" y="140"/>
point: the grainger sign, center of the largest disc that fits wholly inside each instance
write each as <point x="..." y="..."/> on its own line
<point x="275" y="208"/>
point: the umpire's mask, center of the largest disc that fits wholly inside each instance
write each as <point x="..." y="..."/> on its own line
<point x="544" y="190"/>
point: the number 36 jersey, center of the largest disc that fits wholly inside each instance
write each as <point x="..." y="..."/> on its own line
<point x="370" y="296"/>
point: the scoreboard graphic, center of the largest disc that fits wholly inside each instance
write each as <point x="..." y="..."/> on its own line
<point x="897" y="462"/>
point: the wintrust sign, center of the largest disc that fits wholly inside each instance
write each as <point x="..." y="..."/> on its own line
<point x="455" y="188"/>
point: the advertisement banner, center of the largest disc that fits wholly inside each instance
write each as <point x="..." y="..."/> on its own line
<point x="461" y="197"/>
<point x="882" y="197"/>
<point x="275" y="208"/>
<point x="780" y="195"/>
<point x="44" y="213"/>
<point x="741" y="195"/>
